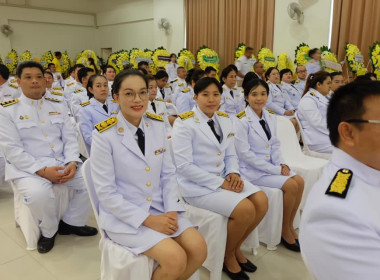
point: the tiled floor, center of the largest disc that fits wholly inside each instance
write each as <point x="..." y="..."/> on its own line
<point x="78" y="258"/>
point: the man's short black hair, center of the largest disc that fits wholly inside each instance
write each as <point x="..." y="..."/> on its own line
<point x="28" y="64"/>
<point x="348" y="103"/>
<point x="203" y="83"/>
<point x="108" y="66"/>
<point x="4" y="72"/>
<point x="83" y="72"/>
<point x="51" y="64"/>
<point x="58" y="53"/>
<point x="209" y="69"/>
<point x="141" y="63"/>
<point x="49" y="73"/>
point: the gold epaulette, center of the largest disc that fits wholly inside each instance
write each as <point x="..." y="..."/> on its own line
<point x="52" y="99"/>
<point x="340" y="183"/>
<point x="160" y="99"/>
<point x="106" y="124"/>
<point x="154" y="116"/>
<point x="181" y="84"/>
<point x="242" y="91"/>
<point x="296" y="81"/>
<point x="9" y="102"/>
<point x="186" y="115"/>
<point x="312" y="93"/>
<point x="222" y="114"/>
<point x="268" y="82"/>
<point x="167" y="86"/>
<point x="85" y="103"/>
<point x="270" y="111"/>
<point x="241" y="114"/>
<point x="13" y="81"/>
<point x="13" y="86"/>
<point x="57" y="93"/>
<point x="186" y="90"/>
<point x="70" y="84"/>
<point x="113" y="100"/>
<point x="57" y="88"/>
<point x="234" y="88"/>
<point x="78" y="90"/>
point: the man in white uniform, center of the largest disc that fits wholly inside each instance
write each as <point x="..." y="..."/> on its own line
<point x="340" y="226"/>
<point x="244" y="64"/>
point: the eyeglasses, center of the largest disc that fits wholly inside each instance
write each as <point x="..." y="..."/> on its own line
<point x="131" y="95"/>
<point x="363" y="121"/>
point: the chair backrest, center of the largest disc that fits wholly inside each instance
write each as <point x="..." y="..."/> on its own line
<point x="86" y="172"/>
<point x="286" y="134"/>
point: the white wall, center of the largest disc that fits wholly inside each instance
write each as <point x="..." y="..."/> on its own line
<point x="288" y="34"/>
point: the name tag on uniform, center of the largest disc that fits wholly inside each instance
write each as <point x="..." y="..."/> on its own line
<point x="54" y="113"/>
<point x="159" y="151"/>
<point x="230" y="135"/>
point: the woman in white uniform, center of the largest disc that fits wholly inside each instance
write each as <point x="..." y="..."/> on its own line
<point x="135" y="181"/>
<point x="232" y="97"/>
<point x="185" y="98"/>
<point x="294" y="94"/>
<point x="260" y="157"/>
<point x="312" y="112"/>
<point x="171" y="67"/>
<point x="208" y="172"/>
<point x="314" y="64"/>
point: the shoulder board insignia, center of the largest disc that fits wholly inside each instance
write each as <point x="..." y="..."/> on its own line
<point x="154" y="116"/>
<point x="167" y="86"/>
<point x="174" y="81"/>
<point x="270" y="111"/>
<point x="340" y="184"/>
<point x="70" y="84"/>
<point x="297" y="81"/>
<point x="106" y="124"/>
<point x="222" y="114"/>
<point x="57" y="93"/>
<point x="186" y="90"/>
<point x="312" y="93"/>
<point x="52" y="99"/>
<point x="78" y="90"/>
<point x="13" y="81"/>
<point x="9" y="102"/>
<point x="57" y="88"/>
<point x="242" y="91"/>
<point x="113" y="100"/>
<point x="13" y="86"/>
<point x="234" y="88"/>
<point x="241" y="114"/>
<point x="85" y="103"/>
<point x="268" y="82"/>
<point x="186" y="115"/>
<point x="180" y="84"/>
<point x="160" y="99"/>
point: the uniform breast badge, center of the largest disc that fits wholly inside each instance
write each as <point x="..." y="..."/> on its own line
<point x="340" y="184"/>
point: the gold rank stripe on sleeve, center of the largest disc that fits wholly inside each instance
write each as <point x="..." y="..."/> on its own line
<point x="78" y="90"/>
<point x="9" y="102"/>
<point x="154" y="116"/>
<point x="186" y="115"/>
<point x="85" y="103"/>
<point x="52" y="99"/>
<point x="70" y="84"/>
<point x="106" y="124"/>
<point x="241" y="114"/>
<point x="222" y="114"/>
<point x="57" y="93"/>
<point x="340" y="183"/>
<point x="160" y="99"/>
<point x="186" y="90"/>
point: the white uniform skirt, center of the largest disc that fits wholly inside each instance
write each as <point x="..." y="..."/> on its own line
<point x="146" y="238"/>
<point x="222" y="201"/>
<point x="273" y="181"/>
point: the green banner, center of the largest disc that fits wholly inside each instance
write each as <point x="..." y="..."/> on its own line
<point x="270" y="59"/>
<point x="212" y="59"/>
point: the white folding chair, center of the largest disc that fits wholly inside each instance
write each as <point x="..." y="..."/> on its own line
<point x="28" y="223"/>
<point x="309" y="168"/>
<point x="213" y="228"/>
<point x="117" y="262"/>
<point x="306" y="149"/>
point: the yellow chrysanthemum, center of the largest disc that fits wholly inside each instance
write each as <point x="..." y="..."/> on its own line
<point x="46" y="58"/>
<point x="11" y="60"/>
<point x="208" y="57"/>
<point x="266" y="57"/>
<point x="356" y="67"/>
<point x="160" y="58"/>
<point x="137" y="55"/>
<point x="302" y="54"/>
<point x="26" y="56"/>
<point x="122" y="59"/>
<point x="327" y="55"/>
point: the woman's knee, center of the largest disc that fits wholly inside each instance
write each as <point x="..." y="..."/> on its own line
<point x="245" y="211"/>
<point x="290" y="187"/>
<point x="300" y="182"/>
<point x="174" y="263"/>
<point x="260" y="201"/>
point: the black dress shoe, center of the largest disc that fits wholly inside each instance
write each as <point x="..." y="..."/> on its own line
<point x="66" y="229"/>
<point x="235" y="276"/>
<point x="248" y="266"/>
<point x="45" y="244"/>
<point x="292" y="247"/>
<point x="297" y="241"/>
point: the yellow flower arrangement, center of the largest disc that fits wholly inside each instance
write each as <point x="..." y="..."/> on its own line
<point x="11" y="60"/>
<point x="302" y="54"/>
<point x="1" y="61"/>
<point x="327" y="54"/>
<point x="46" y="58"/>
<point x="25" y="56"/>
<point x="137" y="55"/>
<point x="284" y="62"/>
<point x="85" y="55"/>
<point x="374" y="54"/>
<point x="160" y="57"/>
<point x="112" y="61"/>
<point x="65" y="64"/>
<point x="122" y="59"/>
<point x="240" y="50"/>
<point x="354" y="60"/>
<point x="186" y="59"/>
<point x="266" y="57"/>
<point x="207" y="57"/>
<point x="78" y="56"/>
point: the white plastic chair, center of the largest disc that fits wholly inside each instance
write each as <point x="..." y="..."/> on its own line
<point x="29" y="224"/>
<point x="306" y="149"/>
<point x="213" y="228"/>
<point x="117" y="262"/>
<point x="309" y="168"/>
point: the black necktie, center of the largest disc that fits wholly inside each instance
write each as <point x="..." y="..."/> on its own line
<point x="232" y="93"/>
<point x="105" y="108"/>
<point x="267" y="132"/>
<point x="163" y="93"/>
<point x="141" y="140"/>
<point x="153" y="106"/>
<point x="212" y="126"/>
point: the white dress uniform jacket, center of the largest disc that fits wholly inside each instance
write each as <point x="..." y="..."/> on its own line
<point x="313" y="67"/>
<point x="171" y="69"/>
<point x="161" y="110"/>
<point x="128" y="183"/>
<point x="167" y="92"/>
<point x="93" y="113"/>
<point x="312" y="113"/>
<point x="340" y="237"/>
<point x="232" y="105"/>
<point x="185" y="100"/>
<point x="258" y="156"/>
<point x="278" y="101"/>
<point x="9" y="91"/>
<point x="294" y="95"/>
<point x="177" y="89"/>
<point x="202" y="172"/>
<point x="78" y="99"/>
<point x="300" y="85"/>
<point x="244" y="65"/>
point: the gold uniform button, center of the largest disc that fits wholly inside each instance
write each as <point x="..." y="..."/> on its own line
<point x="39" y="107"/>
<point x="52" y="146"/>
<point x="42" y="121"/>
<point x="148" y="184"/>
<point x="149" y="198"/>
<point x="121" y="129"/>
<point x="147" y="169"/>
<point x="267" y="146"/>
<point x="217" y="165"/>
<point x="218" y="174"/>
<point x="45" y="135"/>
<point x="268" y="156"/>
<point x="219" y="153"/>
